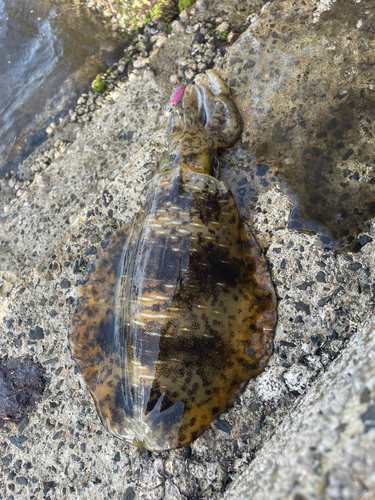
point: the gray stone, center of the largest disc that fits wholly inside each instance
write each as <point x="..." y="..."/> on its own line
<point x="304" y="427"/>
<point x="326" y="448"/>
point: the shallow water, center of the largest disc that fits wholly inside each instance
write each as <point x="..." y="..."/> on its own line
<point x="50" y="52"/>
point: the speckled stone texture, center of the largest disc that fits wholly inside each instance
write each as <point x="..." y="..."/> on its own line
<point x="62" y="191"/>
<point x="307" y="422"/>
<point x="326" y="447"/>
<point x="124" y="15"/>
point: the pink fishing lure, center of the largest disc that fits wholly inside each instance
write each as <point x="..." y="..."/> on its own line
<point x="178" y="95"/>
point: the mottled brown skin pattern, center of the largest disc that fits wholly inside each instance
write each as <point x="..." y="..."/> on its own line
<point x="180" y="311"/>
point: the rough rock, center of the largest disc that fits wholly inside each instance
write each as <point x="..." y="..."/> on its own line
<point x="295" y="73"/>
<point x="326" y="447"/>
<point x="55" y="198"/>
<point x="126" y="15"/>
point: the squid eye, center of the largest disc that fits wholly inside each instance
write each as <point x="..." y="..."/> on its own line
<point x="215" y="167"/>
<point x="178" y="95"/>
<point x="204" y="118"/>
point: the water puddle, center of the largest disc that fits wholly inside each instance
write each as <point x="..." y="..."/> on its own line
<point x="51" y="51"/>
<point x="335" y="208"/>
<point x="310" y="115"/>
<point x="332" y="173"/>
<point x="248" y="179"/>
<point x="329" y="178"/>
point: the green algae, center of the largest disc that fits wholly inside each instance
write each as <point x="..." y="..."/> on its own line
<point x="224" y="36"/>
<point x="185" y="4"/>
<point x="98" y="85"/>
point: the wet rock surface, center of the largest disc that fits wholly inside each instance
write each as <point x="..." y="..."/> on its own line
<point x="84" y="171"/>
<point x="324" y="297"/>
<point x="21" y="387"/>
<point x="310" y="109"/>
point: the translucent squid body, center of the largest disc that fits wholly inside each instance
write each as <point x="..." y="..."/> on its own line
<point x="180" y="310"/>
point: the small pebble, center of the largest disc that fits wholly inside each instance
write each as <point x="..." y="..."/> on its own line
<point x="320" y="277"/>
<point x="201" y="6"/>
<point x="174" y="79"/>
<point x="364" y="239"/>
<point x="141" y="62"/>
<point x="231" y="37"/>
<point x="81" y="100"/>
<point x="355" y="266"/>
<point x="160" y="41"/>
<point x="49" y="130"/>
<point x="189" y="74"/>
<point x="177" y="26"/>
<point x="184" y="16"/>
<point x="223" y="27"/>
<point x="133" y="77"/>
<point x="148" y="74"/>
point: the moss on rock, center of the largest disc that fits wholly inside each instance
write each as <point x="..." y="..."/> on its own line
<point x="164" y="10"/>
<point x="99" y="86"/>
<point x="185" y="4"/>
